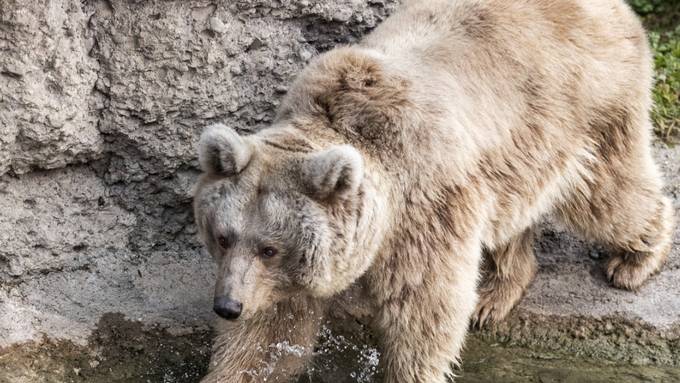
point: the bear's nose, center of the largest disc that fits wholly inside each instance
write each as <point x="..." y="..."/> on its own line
<point x="227" y="308"/>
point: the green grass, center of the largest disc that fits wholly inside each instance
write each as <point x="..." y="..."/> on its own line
<point x="666" y="112"/>
<point x="662" y="18"/>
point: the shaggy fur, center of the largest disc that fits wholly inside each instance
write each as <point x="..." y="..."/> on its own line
<point x="418" y="162"/>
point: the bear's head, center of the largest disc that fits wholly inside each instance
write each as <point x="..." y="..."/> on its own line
<point x="282" y="217"/>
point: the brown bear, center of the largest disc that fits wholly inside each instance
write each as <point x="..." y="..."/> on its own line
<point x="416" y="163"/>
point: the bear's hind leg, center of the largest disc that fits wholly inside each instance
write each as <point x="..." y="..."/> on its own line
<point x="636" y="258"/>
<point x="623" y="207"/>
<point x="507" y="271"/>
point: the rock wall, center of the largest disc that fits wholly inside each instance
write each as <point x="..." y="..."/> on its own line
<point x="101" y="105"/>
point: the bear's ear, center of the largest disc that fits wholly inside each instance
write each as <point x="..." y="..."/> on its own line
<point x="222" y="151"/>
<point x="333" y="173"/>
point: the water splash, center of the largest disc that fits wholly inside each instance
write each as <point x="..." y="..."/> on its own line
<point x="365" y="359"/>
<point x="275" y="351"/>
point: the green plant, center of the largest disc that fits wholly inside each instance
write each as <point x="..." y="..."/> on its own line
<point x="666" y="112"/>
<point x="645" y="7"/>
<point x="662" y="19"/>
<point x="642" y="7"/>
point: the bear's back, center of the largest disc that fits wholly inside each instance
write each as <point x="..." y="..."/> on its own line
<point x="566" y="61"/>
<point x="519" y="97"/>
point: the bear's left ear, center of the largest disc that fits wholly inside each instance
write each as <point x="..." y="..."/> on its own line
<point x="333" y="173"/>
<point x="222" y="151"/>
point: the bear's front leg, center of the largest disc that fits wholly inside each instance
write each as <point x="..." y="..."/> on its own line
<point x="272" y="346"/>
<point x="425" y="317"/>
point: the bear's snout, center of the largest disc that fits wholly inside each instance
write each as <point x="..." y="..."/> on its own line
<point x="227" y="308"/>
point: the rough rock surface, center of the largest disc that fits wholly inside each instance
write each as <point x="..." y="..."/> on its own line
<point x="101" y="105"/>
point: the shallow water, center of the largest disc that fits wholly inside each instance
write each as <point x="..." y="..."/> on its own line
<point x="124" y="352"/>
<point x="492" y="363"/>
<point x="485" y="362"/>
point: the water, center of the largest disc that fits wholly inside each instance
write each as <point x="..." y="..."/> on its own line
<point x="342" y="360"/>
<point x="133" y="355"/>
<point x="365" y="359"/>
<point x="345" y="359"/>
<point x="490" y="363"/>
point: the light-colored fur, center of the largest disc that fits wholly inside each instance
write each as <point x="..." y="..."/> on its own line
<point x="417" y="162"/>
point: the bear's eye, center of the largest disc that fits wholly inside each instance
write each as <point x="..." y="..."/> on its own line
<point x="269" y="252"/>
<point x="223" y="241"/>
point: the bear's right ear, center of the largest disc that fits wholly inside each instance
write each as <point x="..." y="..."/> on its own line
<point x="334" y="172"/>
<point x="222" y="151"/>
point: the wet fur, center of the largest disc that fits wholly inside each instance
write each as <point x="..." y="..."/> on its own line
<point x="475" y="119"/>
